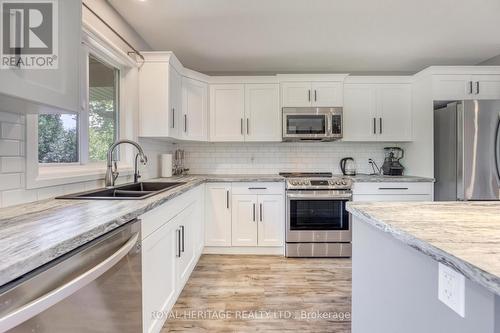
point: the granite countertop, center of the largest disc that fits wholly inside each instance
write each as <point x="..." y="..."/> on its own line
<point x="363" y="178"/>
<point x="33" y="234"/>
<point x="462" y="235"/>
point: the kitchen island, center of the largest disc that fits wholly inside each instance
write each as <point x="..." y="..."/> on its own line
<point x="397" y="249"/>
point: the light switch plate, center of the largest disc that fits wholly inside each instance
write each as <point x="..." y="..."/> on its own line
<point x="451" y="289"/>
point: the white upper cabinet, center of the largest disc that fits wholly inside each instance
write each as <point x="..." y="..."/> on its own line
<point x="466" y="86"/>
<point x="227" y="112"/>
<point x="377" y="112"/>
<point x="244" y="112"/>
<point x="327" y="94"/>
<point x="296" y="94"/>
<point x="52" y="87"/>
<point x="315" y="94"/>
<point x="160" y="98"/>
<point x="194" y="110"/>
<point x="262" y="112"/>
<point x="394" y="111"/>
<point x="360" y="110"/>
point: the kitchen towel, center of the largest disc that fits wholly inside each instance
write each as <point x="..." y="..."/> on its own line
<point x="166" y="165"/>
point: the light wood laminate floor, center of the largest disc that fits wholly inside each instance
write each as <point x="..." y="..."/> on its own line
<point x="250" y="291"/>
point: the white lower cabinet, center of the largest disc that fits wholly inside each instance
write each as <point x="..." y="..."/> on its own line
<point x="159" y="278"/>
<point x="393" y="191"/>
<point x="271" y="226"/>
<point x="169" y="254"/>
<point x="257" y="220"/>
<point x="244" y="220"/>
<point x="218" y="214"/>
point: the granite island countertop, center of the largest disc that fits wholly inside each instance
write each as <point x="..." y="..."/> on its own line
<point x="462" y="235"/>
<point x="34" y="234"/>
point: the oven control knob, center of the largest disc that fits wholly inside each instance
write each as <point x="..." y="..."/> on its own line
<point x="294" y="182"/>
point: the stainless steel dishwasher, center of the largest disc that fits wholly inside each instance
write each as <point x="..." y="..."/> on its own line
<point x="95" y="288"/>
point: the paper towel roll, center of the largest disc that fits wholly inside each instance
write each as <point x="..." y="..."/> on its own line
<point x="166" y="165"/>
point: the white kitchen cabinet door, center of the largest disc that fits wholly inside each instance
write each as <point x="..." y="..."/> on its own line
<point x="394" y="112"/>
<point x="486" y="86"/>
<point x="271" y="227"/>
<point x="160" y="100"/>
<point x="360" y="112"/>
<point x="53" y="87"/>
<point x="296" y="94"/>
<point x="175" y="94"/>
<point x="187" y="259"/>
<point x="327" y="94"/>
<point x="159" y="275"/>
<point x="244" y="220"/>
<point x="262" y="112"/>
<point x="227" y="112"/>
<point x="218" y="214"/>
<point x="452" y="87"/>
<point x="195" y="110"/>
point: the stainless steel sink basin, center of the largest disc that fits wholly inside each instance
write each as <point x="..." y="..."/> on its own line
<point x="135" y="191"/>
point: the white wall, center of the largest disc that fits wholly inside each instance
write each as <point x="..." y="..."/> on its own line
<point x="272" y="158"/>
<point x="495" y="61"/>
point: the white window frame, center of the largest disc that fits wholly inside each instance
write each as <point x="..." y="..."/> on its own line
<point x="38" y="176"/>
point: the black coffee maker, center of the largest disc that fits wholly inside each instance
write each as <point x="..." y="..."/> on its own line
<point x="392" y="166"/>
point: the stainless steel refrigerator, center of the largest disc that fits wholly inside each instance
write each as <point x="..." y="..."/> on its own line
<point x="467" y="150"/>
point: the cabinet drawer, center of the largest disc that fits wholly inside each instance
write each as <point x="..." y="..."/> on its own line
<point x="392" y="188"/>
<point x="156" y="218"/>
<point x="391" y="197"/>
<point x="258" y="188"/>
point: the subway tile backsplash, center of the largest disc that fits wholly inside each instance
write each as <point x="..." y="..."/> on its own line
<point x="271" y="158"/>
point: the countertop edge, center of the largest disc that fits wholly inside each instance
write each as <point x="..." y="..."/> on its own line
<point x="472" y="272"/>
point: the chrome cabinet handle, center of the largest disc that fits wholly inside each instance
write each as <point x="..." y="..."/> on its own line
<point x="40" y="304"/>
<point x="315" y="95"/>
<point x="183" y="239"/>
<point x="227" y="199"/>
<point x="470" y="88"/>
<point x="393" y="188"/>
<point x="248" y="125"/>
<point x="497" y="148"/>
<point x="257" y="188"/>
<point x="477" y="87"/>
<point x="185" y="123"/>
<point x="309" y="95"/>
<point x="178" y="243"/>
<point x="173" y="117"/>
<point x="254" y="212"/>
<point x="260" y="213"/>
<point x="374" y="125"/>
<point x="241" y="126"/>
<point x="380" y="124"/>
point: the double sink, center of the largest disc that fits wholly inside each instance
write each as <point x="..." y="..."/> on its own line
<point x="135" y="191"/>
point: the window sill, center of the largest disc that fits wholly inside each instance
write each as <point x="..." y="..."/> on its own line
<point x="62" y="175"/>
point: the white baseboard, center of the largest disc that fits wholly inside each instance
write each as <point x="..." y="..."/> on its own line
<point x="244" y="250"/>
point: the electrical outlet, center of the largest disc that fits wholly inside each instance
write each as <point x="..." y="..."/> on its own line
<point x="451" y="289"/>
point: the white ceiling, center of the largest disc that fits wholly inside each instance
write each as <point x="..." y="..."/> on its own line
<point x="269" y="36"/>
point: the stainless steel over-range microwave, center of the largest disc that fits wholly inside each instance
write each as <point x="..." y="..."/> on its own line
<point x="308" y="123"/>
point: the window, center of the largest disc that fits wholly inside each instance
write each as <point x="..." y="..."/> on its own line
<point x="103" y="108"/>
<point x="62" y="138"/>
<point x="58" y="138"/>
<point x="64" y="148"/>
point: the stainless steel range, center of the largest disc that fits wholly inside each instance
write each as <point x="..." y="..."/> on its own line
<point x="317" y="222"/>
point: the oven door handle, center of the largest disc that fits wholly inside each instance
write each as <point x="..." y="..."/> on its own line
<point x="319" y="196"/>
